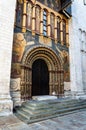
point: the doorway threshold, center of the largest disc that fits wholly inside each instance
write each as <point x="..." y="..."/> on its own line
<point x="44" y="97"/>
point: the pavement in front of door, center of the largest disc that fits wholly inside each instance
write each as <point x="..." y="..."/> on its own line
<point x="74" y="121"/>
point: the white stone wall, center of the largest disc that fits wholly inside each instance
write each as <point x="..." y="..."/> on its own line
<point x="82" y="41"/>
<point x="77" y="25"/>
<point x="7" y="12"/>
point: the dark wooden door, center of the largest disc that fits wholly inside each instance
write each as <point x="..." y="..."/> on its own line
<point x="40" y="78"/>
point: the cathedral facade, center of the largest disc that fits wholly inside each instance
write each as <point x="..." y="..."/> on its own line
<point x="40" y="58"/>
<point x="42" y="50"/>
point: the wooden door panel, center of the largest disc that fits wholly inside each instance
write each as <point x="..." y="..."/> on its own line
<point x="40" y="78"/>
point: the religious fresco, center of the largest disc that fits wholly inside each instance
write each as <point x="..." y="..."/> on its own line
<point x="65" y="56"/>
<point x="18" y="50"/>
<point x="29" y="15"/>
<point x="38" y="18"/>
<point x="54" y="4"/>
<point x="19" y="14"/>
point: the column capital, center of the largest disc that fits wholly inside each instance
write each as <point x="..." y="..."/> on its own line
<point x="48" y="13"/>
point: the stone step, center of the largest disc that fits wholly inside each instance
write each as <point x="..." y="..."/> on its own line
<point x="32" y="111"/>
<point x="43" y="105"/>
<point x="37" y="105"/>
<point x="49" y="108"/>
<point x="41" y="116"/>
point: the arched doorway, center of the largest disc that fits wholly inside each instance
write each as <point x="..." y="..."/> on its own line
<point x="40" y="78"/>
<point x="51" y="65"/>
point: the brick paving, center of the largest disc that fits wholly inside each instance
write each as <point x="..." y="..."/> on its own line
<point x="74" y="121"/>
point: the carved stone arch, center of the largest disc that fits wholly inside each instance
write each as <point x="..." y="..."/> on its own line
<point x="37" y="49"/>
<point x="37" y="5"/>
<point x="30" y="1"/>
<point x="55" y="68"/>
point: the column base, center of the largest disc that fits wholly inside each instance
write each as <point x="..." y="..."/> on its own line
<point x="6" y="105"/>
<point x="15" y="92"/>
<point x="16" y="97"/>
<point x="75" y="94"/>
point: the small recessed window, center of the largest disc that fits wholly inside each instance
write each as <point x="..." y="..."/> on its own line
<point x="45" y="23"/>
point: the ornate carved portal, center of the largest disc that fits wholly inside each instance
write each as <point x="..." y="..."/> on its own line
<point x="55" y="69"/>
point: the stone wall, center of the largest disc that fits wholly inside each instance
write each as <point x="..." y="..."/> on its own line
<point x="77" y="22"/>
<point x="7" y="12"/>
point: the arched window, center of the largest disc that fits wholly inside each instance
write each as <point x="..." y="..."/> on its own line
<point x="45" y="23"/>
<point x="52" y="22"/>
<point x="19" y="10"/>
<point x="29" y="15"/>
<point x="64" y="31"/>
<point x="38" y="10"/>
<point x="58" y="29"/>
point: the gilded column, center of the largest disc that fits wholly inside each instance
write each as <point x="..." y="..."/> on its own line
<point x="55" y="29"/>
<point x="67" y="35"/>
<point x="24" y="17"/>
<point x="33" y="20"/>
<point x="48" y="25"/>
<point x="61" y="26"/>
<point x="62" y="82"/>
<point x="50" y="82"/>
<point x="41" y="23"/>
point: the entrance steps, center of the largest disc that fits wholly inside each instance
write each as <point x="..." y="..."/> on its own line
<point x="33" y="110"/>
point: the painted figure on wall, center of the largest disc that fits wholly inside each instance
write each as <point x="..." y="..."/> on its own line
<point x="52" y="19"/>
<point x="38" y="19"/>
<point x="29" y="15"/>
<point x="54" y="4"/>
<point x="65" y="56"/>
<point x="19" y="14"/>
<point x="18" y="50"/>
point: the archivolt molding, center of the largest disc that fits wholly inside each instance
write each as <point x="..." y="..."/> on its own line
<point x="45" y="53"/>
<point x="55" y="68"/>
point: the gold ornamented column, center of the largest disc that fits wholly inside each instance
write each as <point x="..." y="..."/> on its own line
<point x="61" y="32"/>
<point x="55" y="29"/>
<point x="67" y="35"/>
<point x="48" y="25"/>
<point x="33" y="20"/>
<point x="41" y="23"/>
<point x="62" y="82"/>
<point x="24" y="17"/>
<point x="50" y="82"/>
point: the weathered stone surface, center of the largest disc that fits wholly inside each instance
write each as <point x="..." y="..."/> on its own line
<point x="74" y="121"/>
<point x="7" y="13"/>
<point x="77" y="29"/>
<point x="33" y="111"/>
<point x="46" y="97"/>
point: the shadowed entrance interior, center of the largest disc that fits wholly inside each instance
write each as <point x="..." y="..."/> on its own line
<point x="40" y="78"/>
